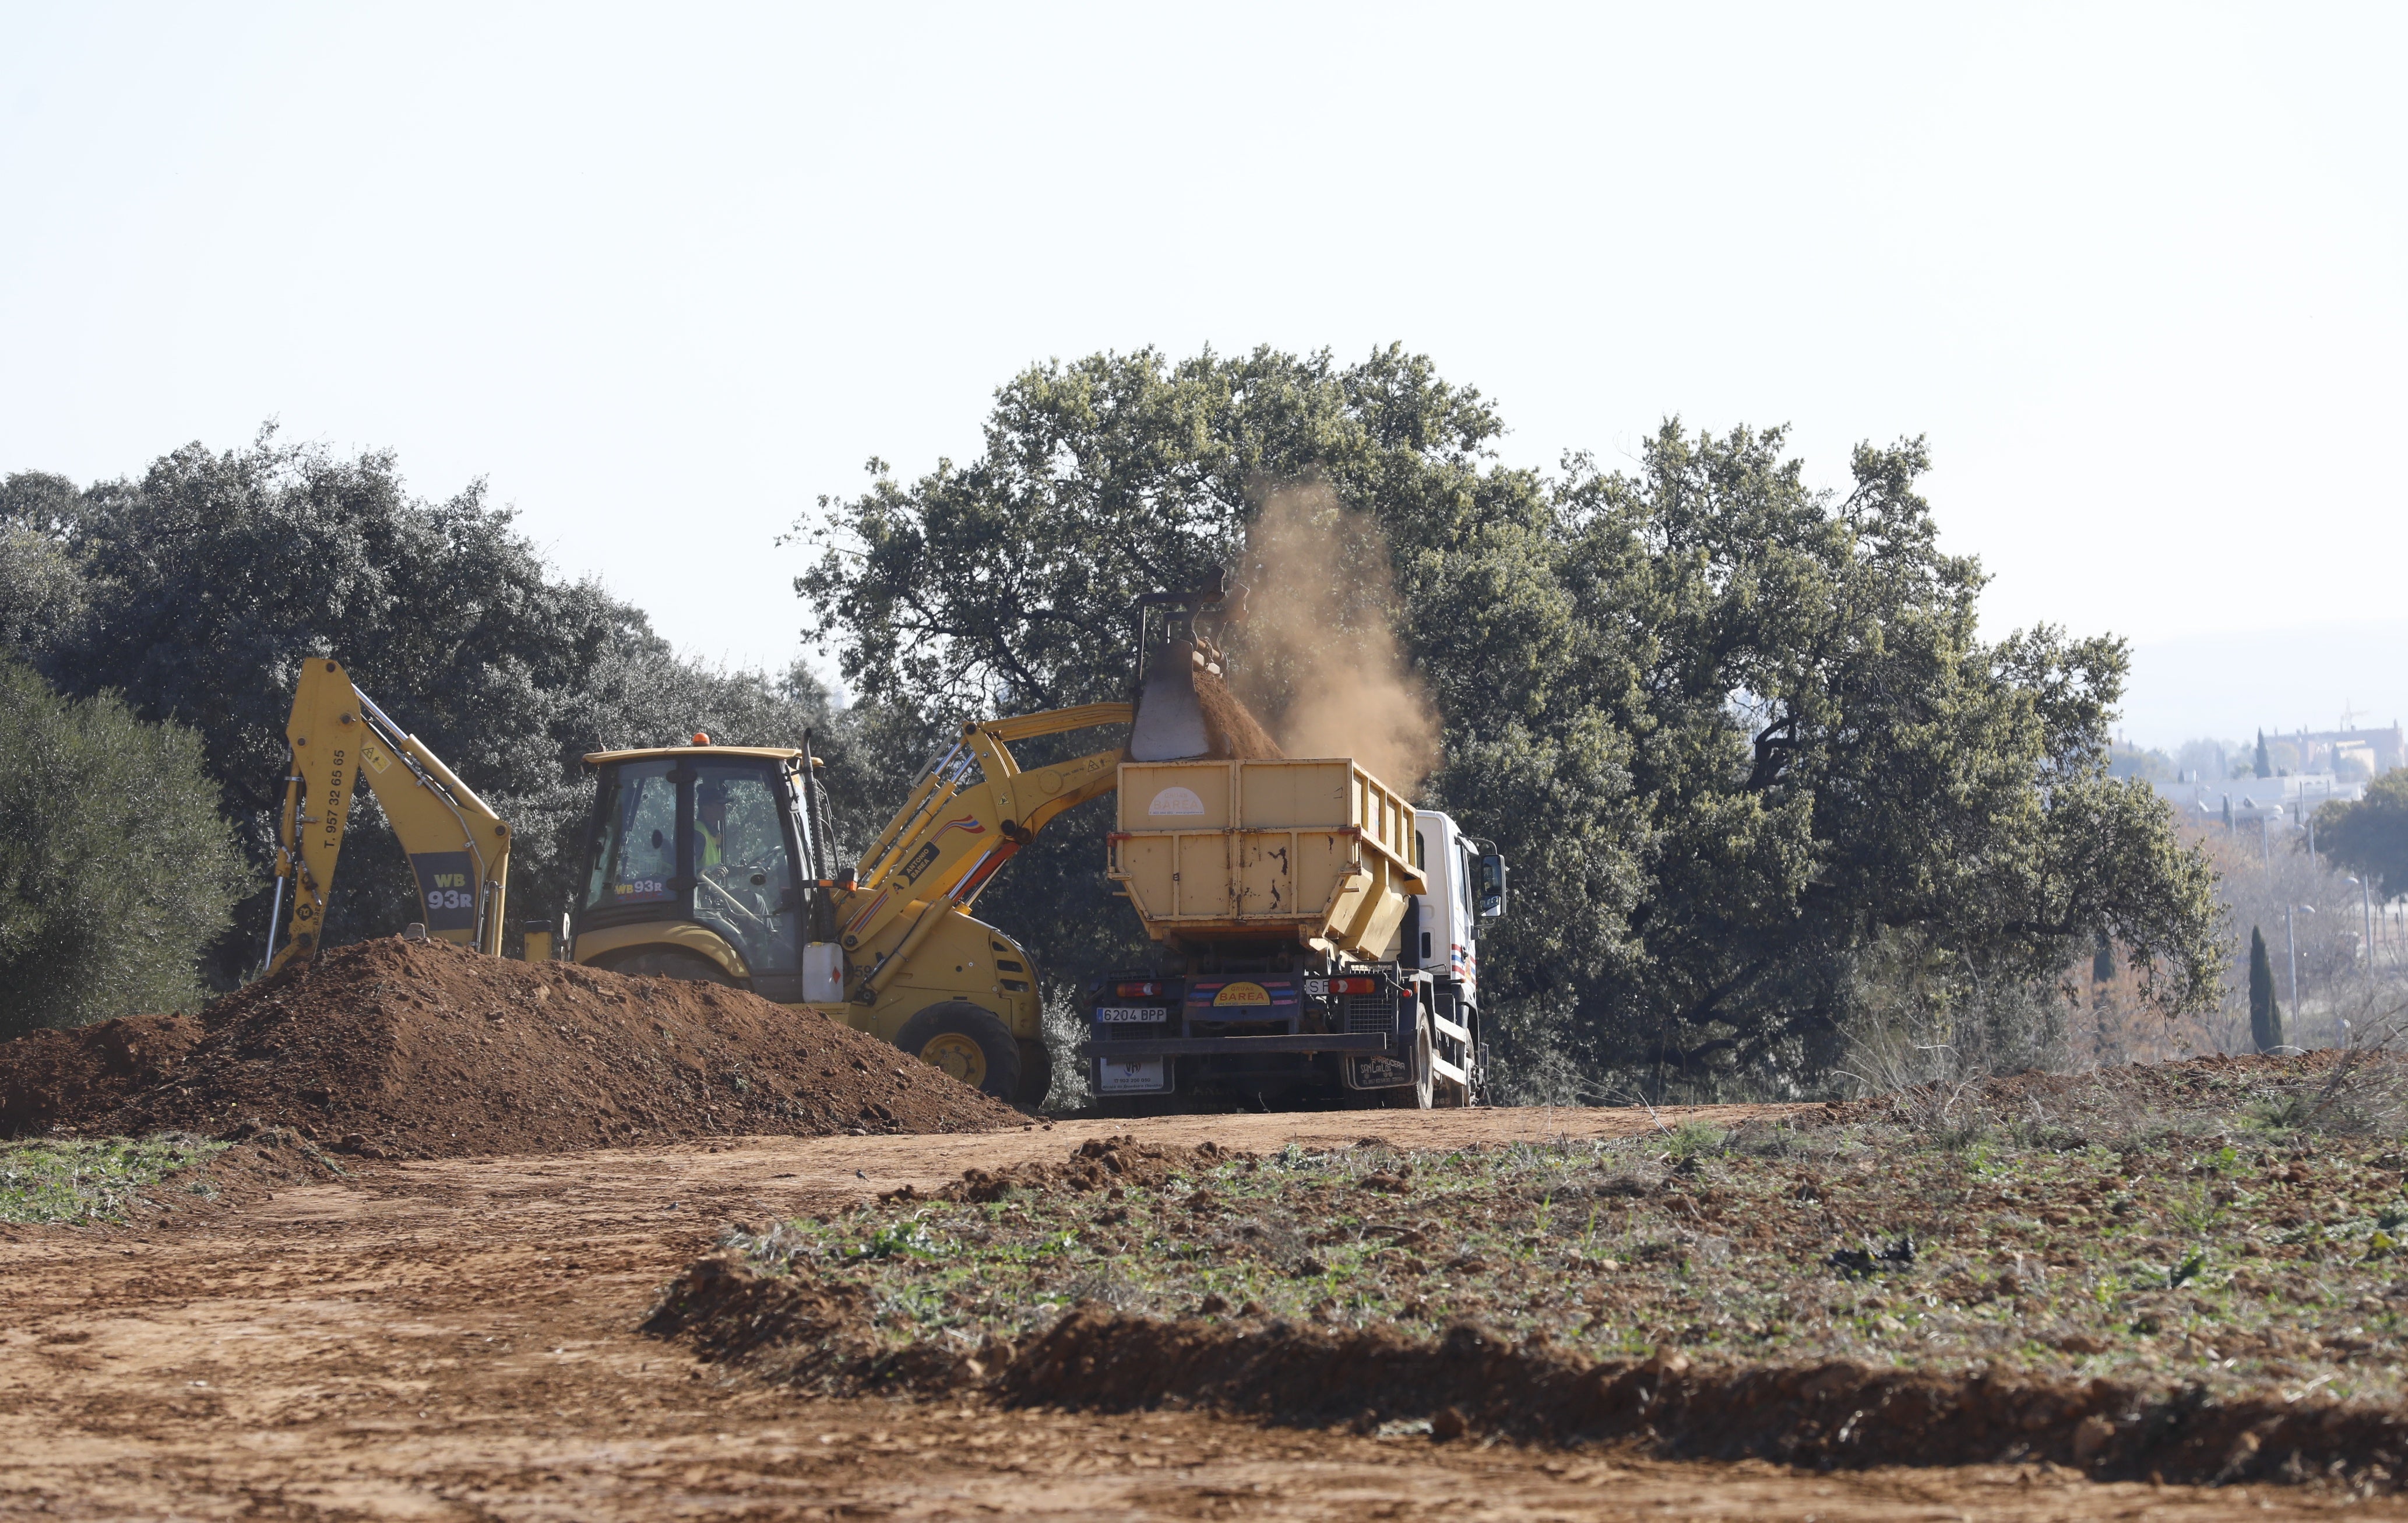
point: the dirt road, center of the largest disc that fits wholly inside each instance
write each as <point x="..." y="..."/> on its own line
<point x="452" y="1340"/>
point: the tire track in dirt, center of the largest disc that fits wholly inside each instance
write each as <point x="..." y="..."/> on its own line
<point x="452" y="1339"/>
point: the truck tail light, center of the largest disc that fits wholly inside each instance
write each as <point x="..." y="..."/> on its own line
<point x="1136" y="991"/>
<point x="1353" y="985"/>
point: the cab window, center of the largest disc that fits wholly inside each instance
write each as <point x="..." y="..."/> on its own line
<point x="634" y="851"/>
<point x="745" y="884"/>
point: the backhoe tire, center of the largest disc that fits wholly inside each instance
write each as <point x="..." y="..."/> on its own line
<point x="970" y="1043"/>
<point x="668" y="962"/>
<point x="1035" y="1076"/>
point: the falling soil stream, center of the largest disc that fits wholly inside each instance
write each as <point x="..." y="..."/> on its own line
<point x="454" y="1338"/>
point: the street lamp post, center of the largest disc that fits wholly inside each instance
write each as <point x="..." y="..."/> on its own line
<point x="2291" y="949"/>
<point x="2366" y="906"/>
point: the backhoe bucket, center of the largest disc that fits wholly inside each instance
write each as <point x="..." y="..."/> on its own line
<point x="1185" y="709"/>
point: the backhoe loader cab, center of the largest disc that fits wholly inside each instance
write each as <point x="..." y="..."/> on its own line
<point x="695" y="868"/>
<point x="714" y="862"/>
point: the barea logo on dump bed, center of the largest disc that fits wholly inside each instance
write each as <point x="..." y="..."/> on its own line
<point x="1175" y="802"/>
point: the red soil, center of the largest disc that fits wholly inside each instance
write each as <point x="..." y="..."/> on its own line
<point x="423" y="1049"/>
<point x="92" y="1067"/>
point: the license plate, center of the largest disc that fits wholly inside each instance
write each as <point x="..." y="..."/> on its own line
<point x="1122" y="1074"/>
<point x="1129" y="1015"/>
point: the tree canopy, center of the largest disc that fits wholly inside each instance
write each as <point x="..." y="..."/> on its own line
<point x="2371" y="835"/>
<point x="1737" y="735"/>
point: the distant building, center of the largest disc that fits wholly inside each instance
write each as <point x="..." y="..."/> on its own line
<point x="2251" y="796"/>
<point x="2325" y="751"/>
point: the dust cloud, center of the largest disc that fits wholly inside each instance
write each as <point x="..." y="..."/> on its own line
<point x="1316" y="654"/>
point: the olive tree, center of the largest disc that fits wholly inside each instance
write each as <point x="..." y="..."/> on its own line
<point x="116" y="870"/>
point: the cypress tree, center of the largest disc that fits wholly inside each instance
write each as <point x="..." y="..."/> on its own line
<point x="2265" y="766"/>
<point x="2265" y="1016"/>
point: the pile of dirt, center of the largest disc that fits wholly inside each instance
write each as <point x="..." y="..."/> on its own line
<point x="46" y="1075"/>
<point x="790" y="1331"/>
<point x="251" y="1168"/>
<point x="1100" y="1163"/>
<point x="424" y="1049"/>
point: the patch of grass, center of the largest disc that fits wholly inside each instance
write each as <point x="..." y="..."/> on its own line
<point x="2220" y="1252"/>
<point x="73" y="1181"/>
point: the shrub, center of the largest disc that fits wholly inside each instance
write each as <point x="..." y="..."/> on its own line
<point x="115" y="867"/>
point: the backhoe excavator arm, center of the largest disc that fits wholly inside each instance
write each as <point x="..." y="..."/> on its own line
<point x="458" y="847"/>
<point x="967" y="813"/>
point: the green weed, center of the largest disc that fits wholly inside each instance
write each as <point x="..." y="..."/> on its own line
<point x="2049" y="1240"/>
<point x="75" y="1181"/>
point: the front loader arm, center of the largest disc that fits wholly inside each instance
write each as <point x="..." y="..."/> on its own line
<point x="971" y="810"/>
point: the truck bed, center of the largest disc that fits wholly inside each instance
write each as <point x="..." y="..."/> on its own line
<point x="1311" y="851"/>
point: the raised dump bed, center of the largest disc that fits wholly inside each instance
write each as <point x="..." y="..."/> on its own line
<point x="1299" y="851"/>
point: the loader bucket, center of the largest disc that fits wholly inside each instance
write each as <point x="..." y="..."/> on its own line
<point x="1184" y="708"/>
<point x="1169" y="724"/>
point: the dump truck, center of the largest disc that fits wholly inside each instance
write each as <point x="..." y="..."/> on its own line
<point x="715" y="863"/>
<point x="1320" y="934"/>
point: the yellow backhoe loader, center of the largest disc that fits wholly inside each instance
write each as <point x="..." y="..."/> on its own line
<point x="714" y="862"/>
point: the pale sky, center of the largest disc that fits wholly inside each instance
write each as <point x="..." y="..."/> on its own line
<point x="666" y="275"/>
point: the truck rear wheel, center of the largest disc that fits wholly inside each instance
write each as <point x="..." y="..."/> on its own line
<point x="1422" y="1093"/>
<point x="968" y="1042"/>
<point x="1035" y="1076"/>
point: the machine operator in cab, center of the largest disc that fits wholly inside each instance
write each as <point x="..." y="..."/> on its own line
<point x="711" y="820"/>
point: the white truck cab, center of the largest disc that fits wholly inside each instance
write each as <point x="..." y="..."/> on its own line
<point x="1442" y="934"/>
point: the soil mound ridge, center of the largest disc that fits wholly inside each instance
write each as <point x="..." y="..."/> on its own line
<point x="1100" y="1163"/>
<point x="2181" y="1083"/>
<point x="423" y="1049"/>
<point x="1468" y="1380"/>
